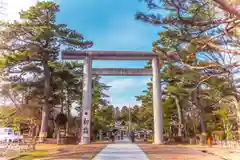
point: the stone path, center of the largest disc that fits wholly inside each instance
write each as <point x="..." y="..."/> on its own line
<point x="122" y="149"/>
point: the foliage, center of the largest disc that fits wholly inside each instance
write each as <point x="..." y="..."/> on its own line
<point x="30" y="66"/>
<point x="102" y="119"/>
<point x="61" y="119"/>
<point x="196" y="64"/>
<point x="15" y="117"/>
<point x="31" y="47"/>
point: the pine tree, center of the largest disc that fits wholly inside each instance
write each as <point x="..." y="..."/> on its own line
<point x="32" y="46"/>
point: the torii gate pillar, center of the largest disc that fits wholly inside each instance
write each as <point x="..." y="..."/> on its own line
<point x="87" y="101"/>
<point x="157" y="103"/>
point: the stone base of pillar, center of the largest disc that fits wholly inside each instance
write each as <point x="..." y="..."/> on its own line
<point x="158" y="143"/>
<point x="82" y="143"/>
<point x="85" y="141"/>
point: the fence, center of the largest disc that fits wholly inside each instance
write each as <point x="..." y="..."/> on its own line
<point x="17" y="146"/>
<point x="228" y="144"/>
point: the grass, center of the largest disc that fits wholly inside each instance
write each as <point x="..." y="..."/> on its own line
<point x="29" y="155"/>
<point x="54" y="151"/>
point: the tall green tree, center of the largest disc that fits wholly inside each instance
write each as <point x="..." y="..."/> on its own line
<point x="194" y="39"/>
<point x="102" y="120"/>
<point x="35" y="42"/>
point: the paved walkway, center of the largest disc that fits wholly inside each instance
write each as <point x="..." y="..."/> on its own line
<point x="122" y="149"/>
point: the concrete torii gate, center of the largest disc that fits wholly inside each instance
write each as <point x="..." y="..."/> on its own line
<point x="88" y="71"/>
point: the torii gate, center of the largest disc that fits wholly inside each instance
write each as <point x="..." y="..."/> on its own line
<point x="88" y="71"/>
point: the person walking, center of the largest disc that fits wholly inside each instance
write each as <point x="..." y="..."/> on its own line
<point x="112" y="136"/>
<point x="132" y="136"/>
<point x="145" y="137"/>
<point x="121" y="135"/>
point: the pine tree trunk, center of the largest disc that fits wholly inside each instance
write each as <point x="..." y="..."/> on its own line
<point x="44" y="124"/>
<point x="62" y="100"/>
<point x="80" y="127"/>
<point x="202" y="123"/>
<point x="58" y="135"/>
<point x="67" y="129"/>
<point x="68" y="112"/>
<point x="201" y="116"/>
<point x="68" y="116"/>
<point x="196" y="99"/>
<point x="180" y="120"/>
<point x="45" y="108"/>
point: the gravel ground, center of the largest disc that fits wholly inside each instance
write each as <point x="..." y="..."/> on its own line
<point x="174" y="152"/>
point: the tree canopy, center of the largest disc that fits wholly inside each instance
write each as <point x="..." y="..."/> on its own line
<point x="197" y="47"/>
<point x="30" y="66"/>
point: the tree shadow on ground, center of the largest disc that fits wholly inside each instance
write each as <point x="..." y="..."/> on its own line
<point x="66" y="152"/>
<point x="170" y="152"/>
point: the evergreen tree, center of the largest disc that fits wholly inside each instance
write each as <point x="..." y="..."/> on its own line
<point x="32" y="45"/>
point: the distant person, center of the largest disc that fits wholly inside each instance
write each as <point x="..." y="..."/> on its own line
<point x="121" y="135"/>
<point x="132" y="136"/>
<point x="112" y="136"/>
<point x="118" y="135"/>
<point x="145" y="137"/>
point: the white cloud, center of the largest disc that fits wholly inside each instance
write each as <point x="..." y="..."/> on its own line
<point x="123" y="91"/>
<point x="119" y="85"/>
<point x="147" y="80"/>
<point x="13" y="7"/>
<point x="122" y="84"/>
<point x="131" y="103"/>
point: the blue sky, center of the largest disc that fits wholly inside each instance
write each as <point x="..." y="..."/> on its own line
<point x="111" y="25"/>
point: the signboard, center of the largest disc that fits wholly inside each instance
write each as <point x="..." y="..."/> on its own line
<point x="86" y="124"/>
